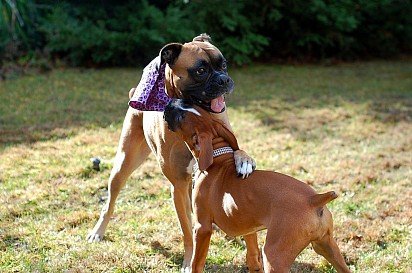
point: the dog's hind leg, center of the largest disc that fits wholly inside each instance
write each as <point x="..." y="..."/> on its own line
<point x="253" y="256"/>
<point x="328" y="248"/>
<point x="131" y="152"/>
<point x="283" y="244"/>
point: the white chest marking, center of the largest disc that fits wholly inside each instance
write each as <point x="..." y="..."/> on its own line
<point x="189" y="168"/>
<point x="229" y="204"/>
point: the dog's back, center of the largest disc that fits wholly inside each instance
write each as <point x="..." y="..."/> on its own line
<point x="242" y="206"/>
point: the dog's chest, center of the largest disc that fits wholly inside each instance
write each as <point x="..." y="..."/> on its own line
<point x="229" y="204"/>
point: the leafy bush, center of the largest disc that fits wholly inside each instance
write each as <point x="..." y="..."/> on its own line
<point x="343" y="29"/>
<point x="17" y="21"/>
<point x="129" y="32"/>
<point x="230" y="26"/>
<point x="130" y="37"/>
<point x="111" y="34"/>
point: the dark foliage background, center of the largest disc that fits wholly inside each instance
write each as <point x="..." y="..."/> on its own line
<point x="121" y="32"/>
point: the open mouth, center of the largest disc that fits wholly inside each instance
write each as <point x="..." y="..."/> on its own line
<point x="216" y="105"/>
<point x="212" y="99"/>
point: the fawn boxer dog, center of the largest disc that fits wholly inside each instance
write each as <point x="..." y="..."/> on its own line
<point x="196" y="71"/>
<point x="291" y="211"/>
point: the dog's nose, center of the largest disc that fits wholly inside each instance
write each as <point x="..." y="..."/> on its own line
<point x="223" y="80"/>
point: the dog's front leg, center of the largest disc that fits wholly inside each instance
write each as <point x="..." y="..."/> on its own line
<point x="202" y="234"/>
<point x="253" y="256"/>
<point x="181" y="201"/>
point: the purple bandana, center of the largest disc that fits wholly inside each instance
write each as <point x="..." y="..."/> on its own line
<point x="150" y="94"/>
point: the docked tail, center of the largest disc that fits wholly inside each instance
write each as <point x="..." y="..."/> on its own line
<point x="319" y="200"/>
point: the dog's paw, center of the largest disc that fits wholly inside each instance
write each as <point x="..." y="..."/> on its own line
<point x="245" y="165"/>
<point x="96" y="234"/>
<point x="185" y="269"/>
<point x="93" y="237"/>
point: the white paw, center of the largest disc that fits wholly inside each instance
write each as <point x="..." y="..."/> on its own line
<point x="185" y="269"/>
<point x="186" y="261"/>
<point x="94" y="237"/>
<point x="245" y="165"/>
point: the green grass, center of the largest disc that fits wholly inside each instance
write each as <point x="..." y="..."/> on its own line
<point x="345" y="128"/>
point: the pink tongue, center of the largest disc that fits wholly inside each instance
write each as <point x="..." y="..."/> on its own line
<point x="218" y="104"/>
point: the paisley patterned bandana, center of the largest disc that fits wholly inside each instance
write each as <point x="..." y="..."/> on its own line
<point x="150" y="94"/>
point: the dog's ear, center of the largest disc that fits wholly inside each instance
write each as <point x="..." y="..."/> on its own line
<point x="170" y="52"/>
<point x="206" y="151"/>
<point x="174" y="115"/>
<point x="202" y="38"/>
<point x="227" y="135"/>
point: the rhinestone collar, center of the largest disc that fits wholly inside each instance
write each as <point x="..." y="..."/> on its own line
<point x="216" y="153"/>
<point x="222" y="151"/>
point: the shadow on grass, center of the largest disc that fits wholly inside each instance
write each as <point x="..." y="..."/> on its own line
<point x="10" y="241"/>
<point x="177" y="259"/>
<point x="60" y="104"/>
<point x="297" y="267"/>
<point x="304" y="267"/>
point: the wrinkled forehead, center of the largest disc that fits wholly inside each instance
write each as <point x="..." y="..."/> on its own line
<point x="194" y="52"/>
<point x="212" y="51"/>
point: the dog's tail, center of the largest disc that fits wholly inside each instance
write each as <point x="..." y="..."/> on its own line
<point x="319" y="200"/>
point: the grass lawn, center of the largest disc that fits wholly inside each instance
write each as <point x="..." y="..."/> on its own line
<point x="346" y="128"/>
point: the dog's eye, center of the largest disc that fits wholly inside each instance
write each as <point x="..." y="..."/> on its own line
<point x="201" y="71"/>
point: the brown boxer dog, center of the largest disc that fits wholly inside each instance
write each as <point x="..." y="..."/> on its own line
<point x="291" y="211"/>
<point x="196" y="71"/>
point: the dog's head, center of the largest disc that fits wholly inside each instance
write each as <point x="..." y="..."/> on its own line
<point x="197" y="71"/>
<point x="198" y="129"/>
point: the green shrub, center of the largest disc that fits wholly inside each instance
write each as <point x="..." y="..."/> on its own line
<point x="110" y="35"/>
<point x="131" y="32"/>
<point x="17" y="27"/>
<point x="343" y="29"/>
<point x="231" y="27"/>
<point x="134" y="37"/>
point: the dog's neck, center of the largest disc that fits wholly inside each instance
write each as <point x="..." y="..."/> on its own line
<point x="221" y="160"/>
<point x="225" y="154"/>
<point x="219" y="142"/>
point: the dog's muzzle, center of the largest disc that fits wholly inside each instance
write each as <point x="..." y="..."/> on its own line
<point x="212" y="99"/>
